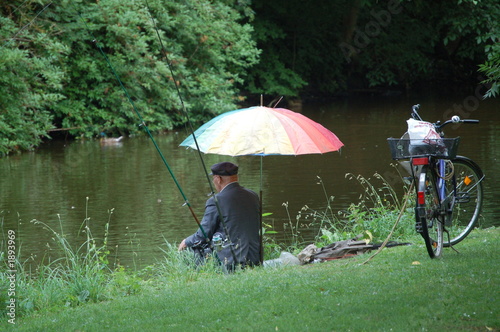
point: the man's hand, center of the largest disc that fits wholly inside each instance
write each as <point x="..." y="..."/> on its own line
<point x="182" y="245"/>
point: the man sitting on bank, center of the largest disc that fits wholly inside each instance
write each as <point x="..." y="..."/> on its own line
<point x="240" y="208"/>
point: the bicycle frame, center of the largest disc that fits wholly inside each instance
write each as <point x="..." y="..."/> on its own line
<point x="441" y="166"/>
<point x="446" y="199"/>
<point x="448" y="187"/>
<point x="441" y="181"/>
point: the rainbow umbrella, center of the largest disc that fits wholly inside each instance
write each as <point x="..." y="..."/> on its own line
<point x="263" y="131"/>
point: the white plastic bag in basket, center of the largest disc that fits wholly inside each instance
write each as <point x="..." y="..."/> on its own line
<point x="422" y="132"/>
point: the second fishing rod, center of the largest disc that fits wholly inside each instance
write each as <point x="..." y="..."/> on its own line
<point x="142" y="123"/>
<point x="186" y="114"/>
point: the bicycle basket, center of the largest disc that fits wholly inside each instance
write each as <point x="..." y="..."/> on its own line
<point x="442" y="148"/>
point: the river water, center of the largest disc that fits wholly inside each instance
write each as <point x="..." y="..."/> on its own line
<point x="65" y="183"/>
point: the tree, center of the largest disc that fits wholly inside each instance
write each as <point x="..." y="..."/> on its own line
<point x="491" y="40"/>
<point x="30" y="79"/>
<point x="357" y="45"/>
<point x="71" y="46"/>
<point x="491" y="68"/>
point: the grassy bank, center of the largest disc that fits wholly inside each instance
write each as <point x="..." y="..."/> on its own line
<point x="79" y="289"/>
<point x="401" y="289"/>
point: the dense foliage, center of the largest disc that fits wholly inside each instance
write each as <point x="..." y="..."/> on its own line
<point x="345" y="45"/>
<point x="54" y="74"/>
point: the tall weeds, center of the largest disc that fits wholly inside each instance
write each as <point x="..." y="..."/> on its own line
<point x="373" y="215"/>
<point x="82" y="274"/>
<point x="79" y="275"/>
<point x="184" y="266"/>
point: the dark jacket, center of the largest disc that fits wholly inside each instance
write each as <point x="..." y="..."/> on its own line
<point x="241" y="210"/>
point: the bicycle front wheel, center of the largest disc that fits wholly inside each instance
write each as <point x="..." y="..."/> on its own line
<point x="466" y="190"/>
<point x="428" y="212"/>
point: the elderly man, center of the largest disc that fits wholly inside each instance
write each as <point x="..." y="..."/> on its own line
<point x="240" y="208"/>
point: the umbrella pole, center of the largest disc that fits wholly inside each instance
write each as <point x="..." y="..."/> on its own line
<point x="261" y="232"/>
<point x="261" y="211"/>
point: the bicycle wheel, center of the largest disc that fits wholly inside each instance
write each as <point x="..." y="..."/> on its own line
<point x="428" y="212"/>
<point x="465" y="190"/>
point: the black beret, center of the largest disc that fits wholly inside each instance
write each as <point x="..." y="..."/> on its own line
<point x="224" y="169"/>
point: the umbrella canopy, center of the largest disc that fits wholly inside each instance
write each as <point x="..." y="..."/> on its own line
<point x="263" y="131"/>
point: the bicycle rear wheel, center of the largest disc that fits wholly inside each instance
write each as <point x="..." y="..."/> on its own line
<point x="465" y="189"/>
<point x="428" y="212"/>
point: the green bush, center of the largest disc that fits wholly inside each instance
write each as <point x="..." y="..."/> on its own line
<point x="66" y="68"/>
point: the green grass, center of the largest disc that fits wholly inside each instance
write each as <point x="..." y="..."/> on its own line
<point x="401" y="289"/>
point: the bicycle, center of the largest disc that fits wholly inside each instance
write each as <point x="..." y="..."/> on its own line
<point x="449" y="188"/>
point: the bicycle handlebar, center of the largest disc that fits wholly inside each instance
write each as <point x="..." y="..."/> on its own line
<point x="438" y="125"/>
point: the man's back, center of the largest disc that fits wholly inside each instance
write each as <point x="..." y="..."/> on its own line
<point x="241" y="210"/>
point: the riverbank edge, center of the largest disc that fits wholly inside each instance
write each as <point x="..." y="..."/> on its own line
<point x="455" y="292"/>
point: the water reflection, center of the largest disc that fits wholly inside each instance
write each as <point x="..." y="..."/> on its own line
<point x="129" y="186"/>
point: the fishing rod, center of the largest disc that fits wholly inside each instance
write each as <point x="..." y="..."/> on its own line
<point x="164" y="52"/>
<point x="143" y="124"/>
